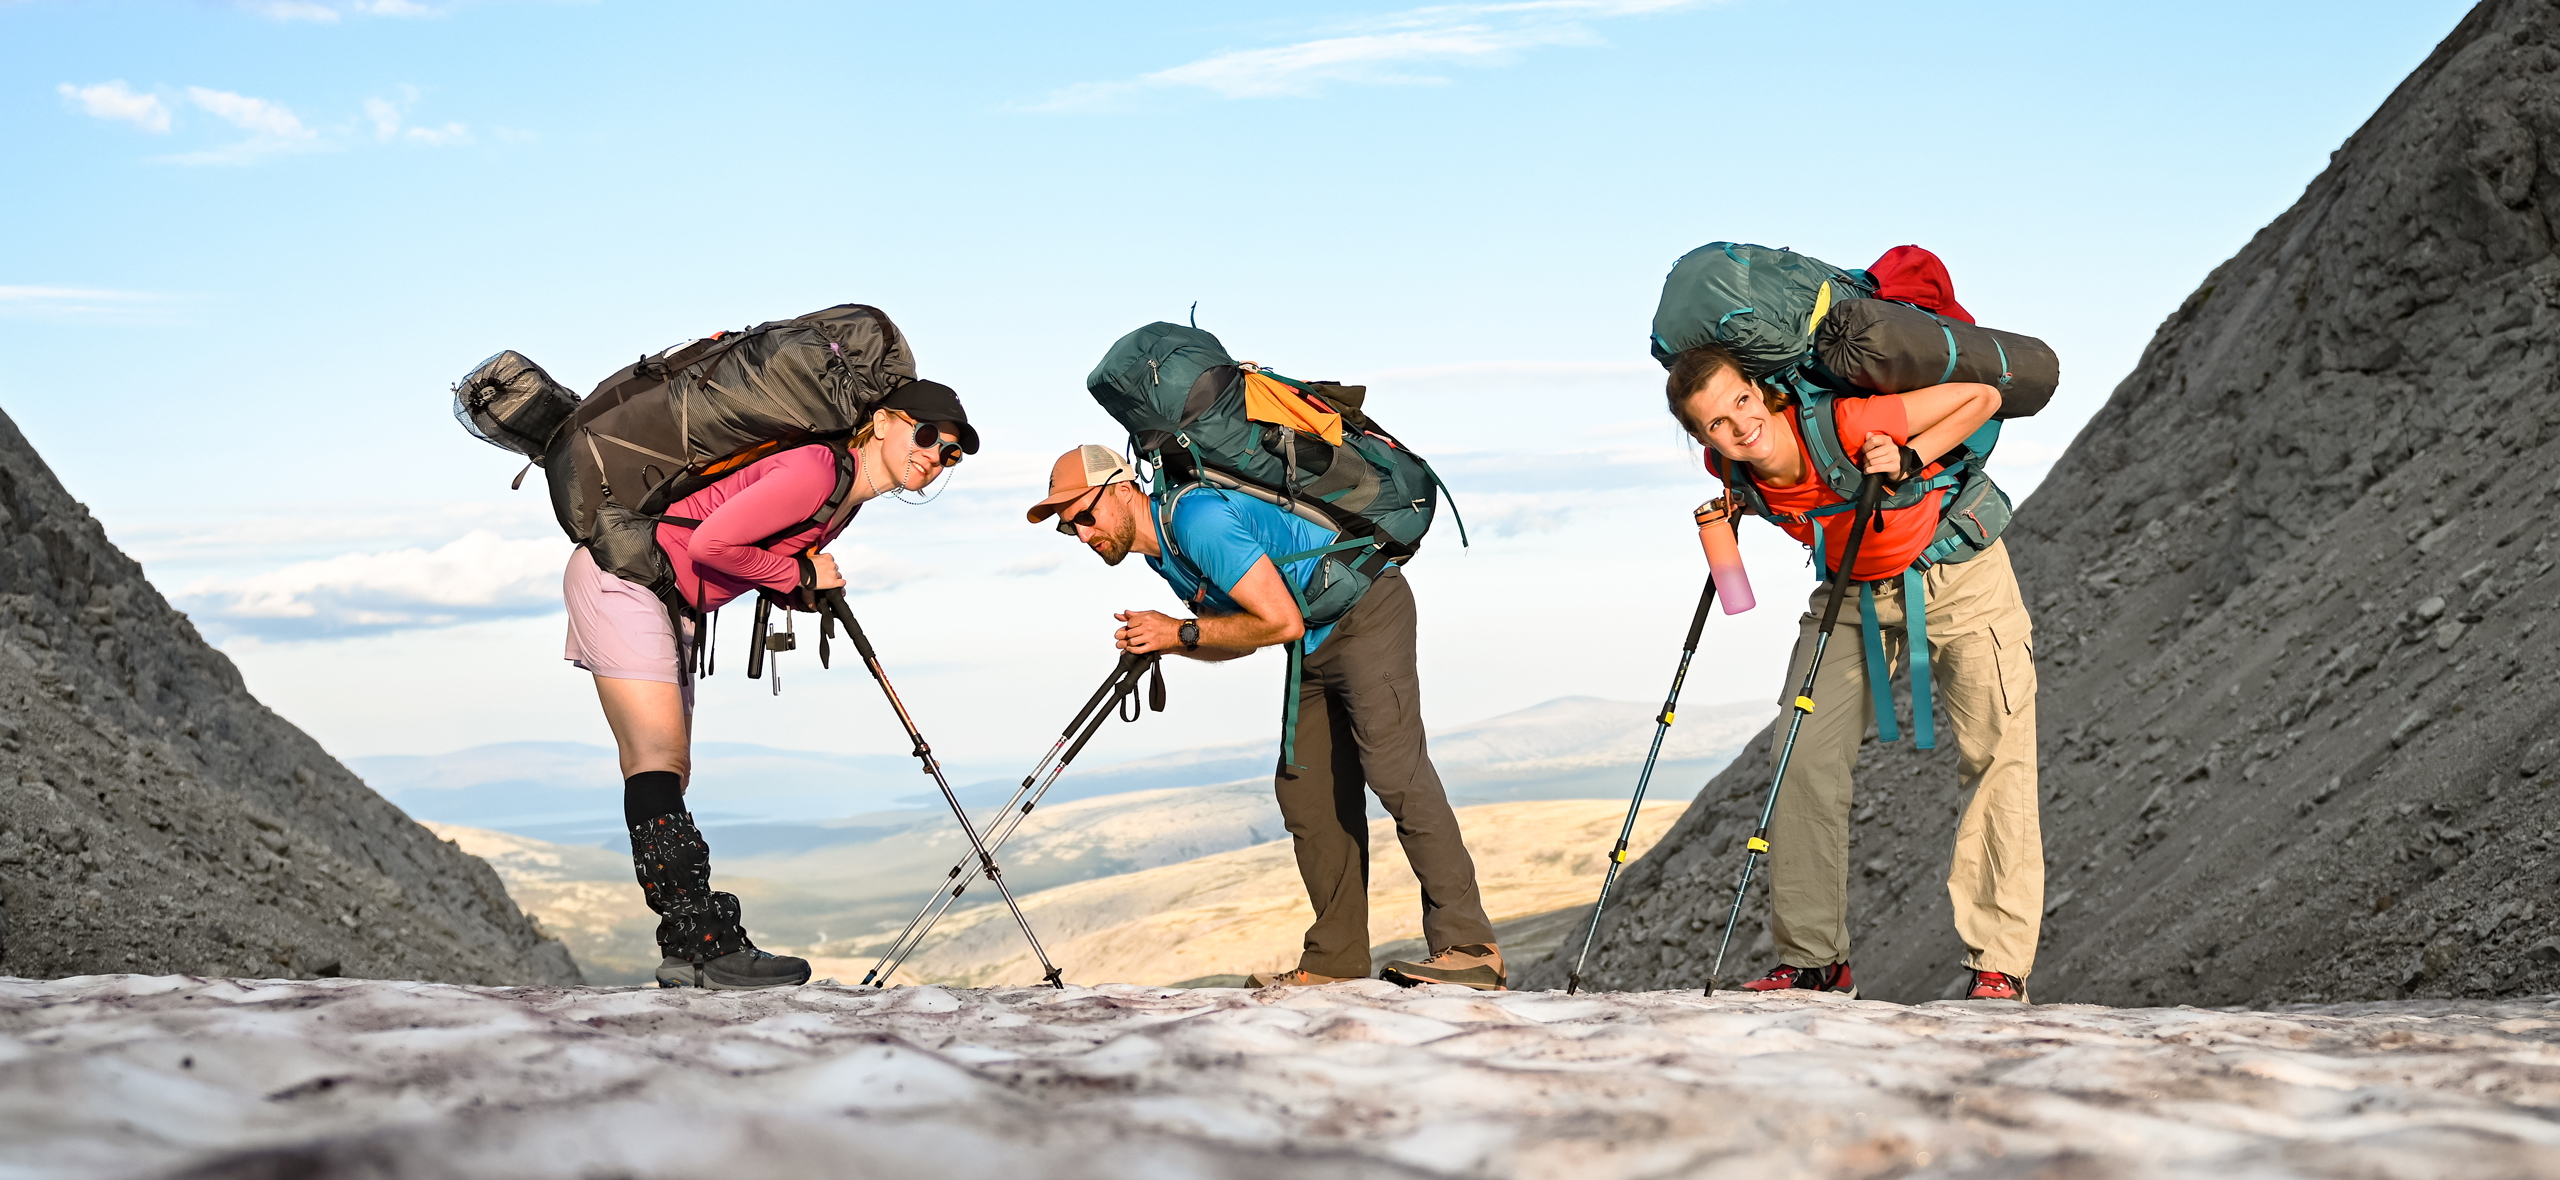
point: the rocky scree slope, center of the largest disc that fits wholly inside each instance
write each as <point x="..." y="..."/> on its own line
<point x="154" y="817"/>
<point x="2294" y="591"/>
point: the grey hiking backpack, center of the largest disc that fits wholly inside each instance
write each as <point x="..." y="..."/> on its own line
<point x="676" y="421"/>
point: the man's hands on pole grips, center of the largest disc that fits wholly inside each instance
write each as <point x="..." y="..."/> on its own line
<point x="1144" y="631"/>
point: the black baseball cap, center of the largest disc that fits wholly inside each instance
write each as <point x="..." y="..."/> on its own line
<point x="933" y="401"/>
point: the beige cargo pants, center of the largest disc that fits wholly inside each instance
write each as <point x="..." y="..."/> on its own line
<point x="1983" y="671"/>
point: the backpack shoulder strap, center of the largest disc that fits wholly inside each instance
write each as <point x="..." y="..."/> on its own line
<point x="1163" y="508"/>
<point x="837" y="508"/>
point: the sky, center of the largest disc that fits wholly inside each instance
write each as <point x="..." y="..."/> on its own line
<point x="252" y="245"/>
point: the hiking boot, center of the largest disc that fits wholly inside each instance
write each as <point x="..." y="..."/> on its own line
<point x="1834" y="978"/>
<point x="1298" y="978"/>
<point x="745" y="970"/>
<point x="1477" y="965"/>
<point x="1995" y="985"/>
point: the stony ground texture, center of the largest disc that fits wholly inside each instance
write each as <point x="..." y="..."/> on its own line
<point x="2294" y="603"/>
<point x="134" y="1075"/>
<point x="155" y="817"/>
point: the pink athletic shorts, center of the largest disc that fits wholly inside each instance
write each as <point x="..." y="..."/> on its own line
<point x="617" y="628"/>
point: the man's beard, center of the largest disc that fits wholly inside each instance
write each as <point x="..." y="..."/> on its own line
<point x="1114" y="548"/>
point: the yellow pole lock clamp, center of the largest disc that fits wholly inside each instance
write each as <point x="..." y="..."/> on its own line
<point x="1758" y="845"/>
<point x="1805" y="703"/>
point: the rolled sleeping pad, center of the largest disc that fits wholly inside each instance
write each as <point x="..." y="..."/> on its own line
<point x="1894" y="347"/>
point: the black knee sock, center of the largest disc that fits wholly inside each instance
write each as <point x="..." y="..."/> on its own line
<point x="650" y="794"/>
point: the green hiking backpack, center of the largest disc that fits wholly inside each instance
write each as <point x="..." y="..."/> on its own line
<point x="1761" y="303"/>
<point x="1198" y="418"/>
<point x="1184" y="403"/>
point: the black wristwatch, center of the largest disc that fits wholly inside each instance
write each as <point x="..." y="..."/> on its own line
<point x="1190" y="634"/>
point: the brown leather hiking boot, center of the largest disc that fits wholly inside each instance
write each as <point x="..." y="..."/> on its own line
<point x="1477" y="965"/>
<point x="1298" y="978"/>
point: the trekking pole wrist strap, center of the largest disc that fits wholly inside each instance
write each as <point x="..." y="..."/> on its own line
<point x="807" y="591"/>
<point x="1912" y="464"/>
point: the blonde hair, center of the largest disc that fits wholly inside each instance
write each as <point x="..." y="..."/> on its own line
<point x="866" y="434"/>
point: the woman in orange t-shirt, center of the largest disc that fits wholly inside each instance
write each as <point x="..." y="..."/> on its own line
<point x="1977" y="641"/>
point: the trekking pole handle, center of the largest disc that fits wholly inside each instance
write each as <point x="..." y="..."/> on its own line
<point x="833" y="600"/>
<point x="1121" y="688"/>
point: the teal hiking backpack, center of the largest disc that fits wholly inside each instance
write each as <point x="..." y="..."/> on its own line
<point x="1773" y="310"/>
<point x="1198" y="418"/>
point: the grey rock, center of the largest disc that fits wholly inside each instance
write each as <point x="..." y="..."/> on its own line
<point x="2374" y="368"/>
<point x="2410" y="725"/>
<point x="142" y="767"/>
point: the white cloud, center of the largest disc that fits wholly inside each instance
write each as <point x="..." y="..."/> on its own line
<point x="451" y="134"/>
<point x="476" y="577"/>
<point x="273" y="128"/>
<point x="309" y="10"/>
<point x="1387" y="50"/>
<point x="254" y="115"/>
<point x="387" y="115"/>
<point x="112" y="100"/>
<point x="74" y="302"/>
<point x="479" y="575"/>
<point x="292" y="10"/>
<point x="1032" y="567"/>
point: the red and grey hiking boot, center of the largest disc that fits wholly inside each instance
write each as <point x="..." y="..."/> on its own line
<point x="1996" y="985"/>
<point x="1834" y="978"/>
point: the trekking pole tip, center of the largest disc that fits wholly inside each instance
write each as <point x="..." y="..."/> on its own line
<point x="1057" y="979"/>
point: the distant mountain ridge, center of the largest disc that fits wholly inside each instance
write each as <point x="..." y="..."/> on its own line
<point x="1568" y="748"/>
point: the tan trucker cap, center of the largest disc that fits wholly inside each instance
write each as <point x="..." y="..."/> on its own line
<point x="1079" y="471"/>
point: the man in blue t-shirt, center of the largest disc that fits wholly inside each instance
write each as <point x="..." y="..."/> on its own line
<point x="1359" y="706"/>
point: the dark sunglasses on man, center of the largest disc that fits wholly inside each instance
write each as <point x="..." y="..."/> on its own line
<point x="1068" y="521"/>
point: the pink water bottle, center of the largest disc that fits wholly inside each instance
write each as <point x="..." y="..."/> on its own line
<point x="1724" y="557"/>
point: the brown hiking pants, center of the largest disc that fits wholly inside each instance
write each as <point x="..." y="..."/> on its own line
<point x="1983" y="671"/>
<point x="1360" y="723"/>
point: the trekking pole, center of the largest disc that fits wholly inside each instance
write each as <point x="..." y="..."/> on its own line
<point x="1869" y="491"/>
<point x="897" y="946"/>
<point x="1627" y="831"/>
<point x="1124" y="686"/>
<point x="833" y="600"/>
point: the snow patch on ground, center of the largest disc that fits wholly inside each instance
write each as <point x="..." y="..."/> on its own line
<point x="127" y="1075"/>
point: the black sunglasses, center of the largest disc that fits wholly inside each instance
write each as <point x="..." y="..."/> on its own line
<point x="929" y="434"/>
<point x="1067" y="524"/>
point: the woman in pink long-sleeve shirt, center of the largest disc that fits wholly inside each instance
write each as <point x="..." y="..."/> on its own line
<point x="760" y="531"/>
